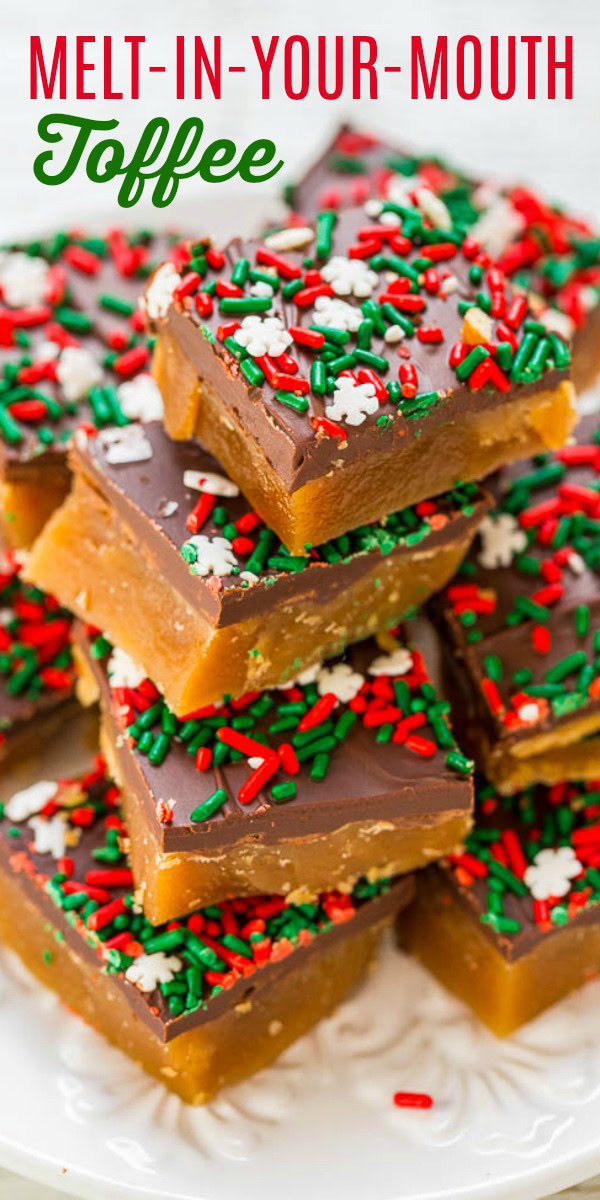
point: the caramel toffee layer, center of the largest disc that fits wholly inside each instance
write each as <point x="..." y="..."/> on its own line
<point x="71" y="335"/>
<point x="383" y="752"/>
<point x="290" y="430"/>
<point x="521" y="619"/>
<point x="165" y="515"/>
<point x="539" y="246"/>
<point x="530" y="865"/>
<point x="66" y="844"/>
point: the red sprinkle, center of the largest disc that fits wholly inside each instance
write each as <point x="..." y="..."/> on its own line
<point x="413" y="1099"/>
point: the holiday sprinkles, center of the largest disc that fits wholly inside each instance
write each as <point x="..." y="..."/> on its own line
<point x="340" y="354"/>
<point x="523" y="608"/>
<point x="65" y="872"/>
<point x="330" y="777"/>
<point x="207" y="557"/>
<point x="278" y="733"/>
<point x="36" y="669"/>
<point x="539" y="246"/>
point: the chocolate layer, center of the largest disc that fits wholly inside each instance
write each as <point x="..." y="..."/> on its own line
<point x="529" y="867"/>
<point x="521" y="621"/>
<point x="87" y="300"/>
<point x="366" y="777"/>
<point x="36" y="675"/>
<point x="544" y="248"/>
<point x="78" y="890"/>
<point x="296" y="444"/>
<point x="152" y="500"/>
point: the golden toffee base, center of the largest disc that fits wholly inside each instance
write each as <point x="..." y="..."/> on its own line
<point x="367" y="490"/>
<point x="172" y="884"/>
<point x="222" y="1051"/>
<point x="94" y="564"/>
<point x="447" y="939"/>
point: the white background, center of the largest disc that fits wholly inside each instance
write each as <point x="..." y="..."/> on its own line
<point x="552" y="144"/>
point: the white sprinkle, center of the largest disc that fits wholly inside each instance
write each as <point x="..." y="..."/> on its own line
<point x="399" y="662"/>
<point x="78" y="372"/>
<point x="140" y="399"/>
<point x="159" y="293"/>
<point x="352" y="402"/>
<point x="147" y="971"/>
<point x="294" y="238"/>
<point x="497" y="227"/>
<point x="558" y="322"/>
<point x="502" y="538"/>
<point x="30" y="800"/>
<point x="23" y="279"/>
<point x="433" y="208"/>
<point x="214" y="556"/>
<point x="373" y="208"/>
<point x="393" y="334"/>
<point x="49" y="835"/>
<point x="341" y="681"/>
<point x="449" y="285"/>
<point x="210" y="482"/>
<point x="123" y="671"/>
<point x="126" y="445"/>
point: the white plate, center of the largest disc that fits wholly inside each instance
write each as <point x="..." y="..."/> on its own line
<point x="516" y="1118"/>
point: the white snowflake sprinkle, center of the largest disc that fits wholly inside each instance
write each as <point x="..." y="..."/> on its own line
<point x="349" y="276"/>
<point x="78" y="372"/>
<point x="23" y="279"/>
<point x="30" y="800"/>
<point x="147" y="971"/>
<point x="352" y="402"/>
<point x="263" y="335"/>
<point x="49" y="835"/>
<point x="337" y="314"/>
<point x="249" y="577"/>
<point x="551" y="872"/>
<point x="397" y="662"/>
<point x="497" y="227"/>
<point x="340" y="680"/>
<point x="308" y="675"/>
<point x="140" y="399"/>
<point x="159" y="294"/>
<point x="210" y="482"/>
<point x="214" y="556"/>
<point x="501" y="538"/>
<point x="126" y="445"/>
<point x="123" y="671"/>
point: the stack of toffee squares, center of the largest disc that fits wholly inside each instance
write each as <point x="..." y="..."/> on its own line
<point x="222" y="507"/>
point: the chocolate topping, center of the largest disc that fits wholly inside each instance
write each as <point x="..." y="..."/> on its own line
<point x="92" y="845"/>
<point x="297" y="450"/>
<point x="151" y="498"/>
<point x="369" y="778"/>
<point x="520" y="622"/>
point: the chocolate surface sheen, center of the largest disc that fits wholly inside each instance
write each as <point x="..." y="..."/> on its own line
<point x="367" y="775"/>
<point x="153" y="500"/>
